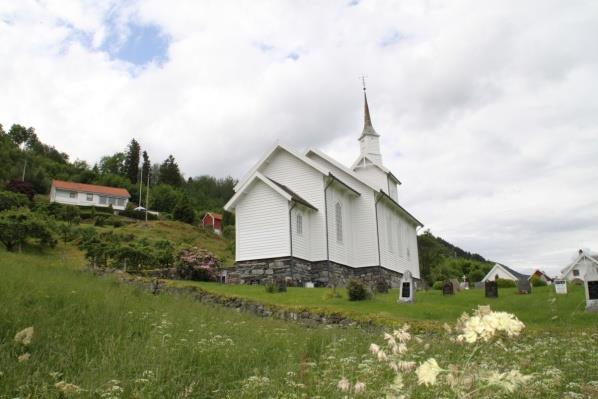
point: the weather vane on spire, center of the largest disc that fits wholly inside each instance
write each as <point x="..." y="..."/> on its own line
<point x="363" y="77"/>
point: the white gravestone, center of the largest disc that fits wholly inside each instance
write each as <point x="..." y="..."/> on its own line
<point x="591" y="285"/>
<point x="406" y="288"/>
<point x="560" y="287"/>
<point x="309" y="285"/>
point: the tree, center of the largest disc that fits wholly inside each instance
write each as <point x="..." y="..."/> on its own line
<point x="131" y="164"/>
<point x="20" y="134"/>
<point x="9" y="200"/>
<point x="146" y="167"/>
<point x="18" y="225"/>
<point x="183" y="211"/>
<point x="170" y="173"/>
<point x="114" y="164"/>
<point x="23" y="187"/>
<point x="163" y="198"/>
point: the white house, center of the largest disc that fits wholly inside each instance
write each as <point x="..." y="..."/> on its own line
<point x="69" y="193"/>
<point x="309" y="218"/>
<point x="580" y="266"/>
<point x="504" y="272"/>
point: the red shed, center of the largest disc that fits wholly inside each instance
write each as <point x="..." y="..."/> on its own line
<point x="213" y="220"/>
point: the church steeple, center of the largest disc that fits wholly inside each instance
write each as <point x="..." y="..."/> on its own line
<point x="369" y="141"/>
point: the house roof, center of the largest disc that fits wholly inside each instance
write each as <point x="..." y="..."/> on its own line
<point x="214" y="215"/>
<point x="91" y="188"/>
<point x="294" y="196"/>
<point x="582" y="255"/>
<point x="515" y="273"/>
<point x="396" y="204"/>
<point x="541" y="273"/>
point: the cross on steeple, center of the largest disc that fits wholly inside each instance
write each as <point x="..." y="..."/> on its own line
<point x="363" y="78"/>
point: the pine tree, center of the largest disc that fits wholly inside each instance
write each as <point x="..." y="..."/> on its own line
<point x="170" y="173"/>
<point x="132" y="161"/>
<point x="146" y="167"/>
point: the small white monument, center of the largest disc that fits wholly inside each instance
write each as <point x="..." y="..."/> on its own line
<point x="591" y="285"/>
<point x="560" y="286"/>
<point x="406" y="288"/>
<point x="464" y="284"/>
<point x="309" y="284"/>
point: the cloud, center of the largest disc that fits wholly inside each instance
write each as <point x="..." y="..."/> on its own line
<point x="486" y="111"/>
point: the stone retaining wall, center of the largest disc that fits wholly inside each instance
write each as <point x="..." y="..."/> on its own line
<point x="299" y="271"/>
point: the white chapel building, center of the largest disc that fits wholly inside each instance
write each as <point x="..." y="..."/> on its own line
<point x="308" y="218"/>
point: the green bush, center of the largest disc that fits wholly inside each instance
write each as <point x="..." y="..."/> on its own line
<point x="357" y="291"/>
<point x="537" y="282"/>
<point x="17" y="226"/>
<point x="10" y="200"/>
<point x="278" y="285"/>
<point x="504" y="283"/>
<point x="438" y="285"/>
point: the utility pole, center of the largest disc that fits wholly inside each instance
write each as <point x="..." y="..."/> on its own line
<point x="147" y="196"/>
<point x="140" y="186"/>
<point x="24" y="167"/>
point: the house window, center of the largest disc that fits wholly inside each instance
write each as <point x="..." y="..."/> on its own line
<point x="111" y="200"/>
<point x="102" y="200"/>
<point x="575" y="272"/>
<point x="89" y="196"/>
<point x="120" y="202"/>
<point x="299" y="224"/>
<point x="338" y="212"/>
<point x="72" y="194"/>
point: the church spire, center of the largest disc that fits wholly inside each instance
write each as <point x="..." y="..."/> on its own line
<point x="368" y="129"/>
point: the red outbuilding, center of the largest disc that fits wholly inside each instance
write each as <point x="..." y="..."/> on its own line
<point x="213" y="220"/>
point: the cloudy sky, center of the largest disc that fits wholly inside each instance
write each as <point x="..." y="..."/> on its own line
<point x="488" y="110"/>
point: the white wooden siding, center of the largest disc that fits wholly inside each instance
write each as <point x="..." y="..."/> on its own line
<point x="308" y="183"/>
<point x="363" y="217"/>
<point x="262" y="224"/>
<point x="374" y="176"/>
<point x="393" y="190"/>
<point x="340" y="251"/>
<point x="301" y="242"/>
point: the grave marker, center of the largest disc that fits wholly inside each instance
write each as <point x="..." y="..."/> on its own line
<point x="491" y="289"/>
<point x="448" y="288"/>
<point x="524" y="286"/>
<point x="560" y="287"/>
<point x="591" y="286"/>
<point x="406" y="288"/>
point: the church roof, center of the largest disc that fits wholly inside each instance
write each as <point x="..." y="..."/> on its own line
<point x="294" y="196"/>
<point x="368" y="129"/>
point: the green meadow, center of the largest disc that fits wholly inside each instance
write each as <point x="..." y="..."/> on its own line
<point x="112" y="340"/>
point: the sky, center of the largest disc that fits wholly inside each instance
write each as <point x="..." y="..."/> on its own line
<point x="487" y="111"/>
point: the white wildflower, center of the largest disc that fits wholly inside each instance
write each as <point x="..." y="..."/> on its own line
<point x="67" y="388"/>
<point x="24" y="357"/>
<point x="374" y="349"/>
<point x="343" y="385"/>
<point x="382" y="356"/>
<point x="359" y="387"/>
<point x="24" y="336"/>
<point x="427" y="372"/>
<point x="406" y="366"/>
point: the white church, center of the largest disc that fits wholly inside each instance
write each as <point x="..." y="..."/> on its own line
<point x="309" y="219"/>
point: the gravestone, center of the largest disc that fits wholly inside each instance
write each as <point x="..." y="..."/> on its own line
<point x="406" y="288"/>
<point x="524" y="286"/>
<point x="309" y="284"/>
<point x="448" y="288"/>
<point x="591" y="286"/>
<point x="491" y="289"/>
<point x="560" y="287"/>
<point x="464" y="284"/>
<point x="456" y="285"/>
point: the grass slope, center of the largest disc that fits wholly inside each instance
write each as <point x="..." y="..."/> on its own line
<point x="543" y="308"/>
<point x="178" y="233"/>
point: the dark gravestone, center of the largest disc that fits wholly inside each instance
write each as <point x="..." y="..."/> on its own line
<point x="524" y="286"/>
<point x="406" y="291"/>
<point x="593" y="290"/>
<point x="447" y="288"/>
<point x="491" y="289"/>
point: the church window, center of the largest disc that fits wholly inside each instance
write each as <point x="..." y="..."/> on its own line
<point x="389" y="234"/>
<point x="338" y="211"/>
<point x="299" y="224"/>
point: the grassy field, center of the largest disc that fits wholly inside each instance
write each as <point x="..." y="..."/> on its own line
<point x="543" y="308"/>
<point x="116" y="341"/>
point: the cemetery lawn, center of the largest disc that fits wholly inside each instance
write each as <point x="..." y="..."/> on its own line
<point x="112" y="340"/>
<point x="542" y="309"/>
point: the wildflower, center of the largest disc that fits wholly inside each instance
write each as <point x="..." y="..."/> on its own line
<point x="359" y="387"/>
<point x="374" y="349"/>
<point x="406" y="366"/>
<point x="427" y="372"/>
<point x="382" y="356"/>
<point x="393" y="366"/>
<point x="24" y="357"/>
<point x="447" y="328"/>
<point x="402" y="335"/>
<point x="67" y="388"/>
<point x="24" y="336"/>
<point x="343" y="385"/>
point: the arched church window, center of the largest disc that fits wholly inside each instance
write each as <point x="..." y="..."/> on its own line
<point x="338" y="212"/>
<point x="299" y="224"/>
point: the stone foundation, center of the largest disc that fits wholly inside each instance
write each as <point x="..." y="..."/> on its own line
<point x="299" y="271"/>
